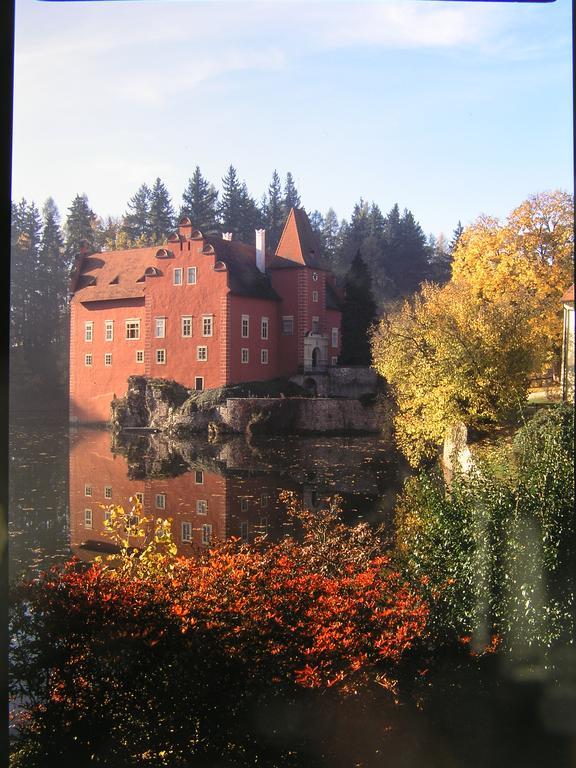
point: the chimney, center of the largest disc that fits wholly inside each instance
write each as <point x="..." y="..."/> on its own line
<point x="261" y="249"/>
<point x="226" y="235"/>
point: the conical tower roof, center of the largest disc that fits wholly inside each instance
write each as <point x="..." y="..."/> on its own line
<point x="298" y="243"/>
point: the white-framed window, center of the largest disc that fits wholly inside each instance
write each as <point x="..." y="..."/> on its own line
<point x="88" y="359"/>
<point x="201" y="507"/>
<point x="161" y="356"/>
<point x="107" y="491"/>
<point x="207" y="325"/>
<point x="160" y="501"/>
<point x="107" y="514"/>
<point x="243" y="505"/>
<point x="334" y="359"/>
<point x="178" y="276"/>
<point x="87" y="490"/>
<point x="264" y="356"/>
<point x="288" y="325"/>
<point x="187" y="532"/>
<point x="245" y="327"/>
<point x="202" y="354"/>
<point x="244" y="531"/>
<point x="315" y="324"/>
<point x="132" y="329"/>
<point x="199" y="477"/>
<point x="264" y="500"/>
<point x="264" y="328"/>
<point x="139" y="498"/>
<point x="244" y="355"/>
<point x="160" y="327"/>
<point x="109" y="330"/>
<point x="108" y="359"/>
<point x="206" y="533"/>
<point x="139" y="355"/>
<point x="314" y="276"/>
<point x="334" y="337"/>
<point x="198" y="383"/>
<point x="88" y="330"/>
<point x="315" y="296"/>
<point x="191" y="276"/>
<point x="186" y="325"/>
<point x="88" y="518"/>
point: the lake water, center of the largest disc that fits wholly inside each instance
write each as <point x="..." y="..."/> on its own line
<point x="62" y="478"/>
<point x="507" y="712"/>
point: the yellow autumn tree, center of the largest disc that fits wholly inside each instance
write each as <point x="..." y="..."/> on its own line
<point x="451" y="355"/>
<point x="531" y="255"/>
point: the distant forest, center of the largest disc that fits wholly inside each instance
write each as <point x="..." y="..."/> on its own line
<point x="391" y="250"/>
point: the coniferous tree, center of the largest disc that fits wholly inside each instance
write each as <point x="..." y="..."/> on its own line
<point x="354" y="234"/>
<point x="274" y="212"/>
<point x="331" y="237"/>
<point x="136" y="226"/>
<point x="232" y="203"/>
<point x="406" y="257"/>
<point x="291" y="196"/>
<point x="80" y="227"/>
<point x="358" y="314"/>
<point x="25" y="237"/>
<point x="200" y="203"/>
<point x="53" y="287"/>
<point x="161" y="213"/>
<point x="250" y="216"/>
<point x="413" y="258"/>
<point x="456" y="236"/>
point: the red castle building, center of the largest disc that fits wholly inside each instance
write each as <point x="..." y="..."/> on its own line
<point x="204" y="311"/>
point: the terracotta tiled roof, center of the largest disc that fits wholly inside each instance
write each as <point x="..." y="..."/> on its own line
<point x="298" y="242"/>
<point x="569" y="295"/>
<point x="116" y="274"/>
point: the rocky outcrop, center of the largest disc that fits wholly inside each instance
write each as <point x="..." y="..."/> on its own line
<point x="166" y="406"/>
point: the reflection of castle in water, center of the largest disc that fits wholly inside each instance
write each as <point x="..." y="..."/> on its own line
<point x="211" y="490"/>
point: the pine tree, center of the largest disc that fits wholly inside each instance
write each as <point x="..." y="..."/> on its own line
<point x="274" y="212"/>
<point x="136" y="226"/>
<point x="200" y="203"/>
<point x="358" y="314"/>
<point x="406" y="256"/>
<point x="53" y="287"/>
<point x="291" y="196"/>
<point x="232" y="203"/>
<point x="330" y="239"/>
<point x="161" y="213"/>
<point x="25" y="237"/>
<point x="250" y="216"/>
<point x="456" y="236"/>
<point x="80" y="228"/>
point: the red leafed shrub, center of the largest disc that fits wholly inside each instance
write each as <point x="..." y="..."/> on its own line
<point x="202" y="640"/>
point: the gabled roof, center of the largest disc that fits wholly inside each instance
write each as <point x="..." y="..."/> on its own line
<point x="298" y="243"/>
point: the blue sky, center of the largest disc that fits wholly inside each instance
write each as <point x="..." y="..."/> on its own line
<point x="449" y="109"/>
